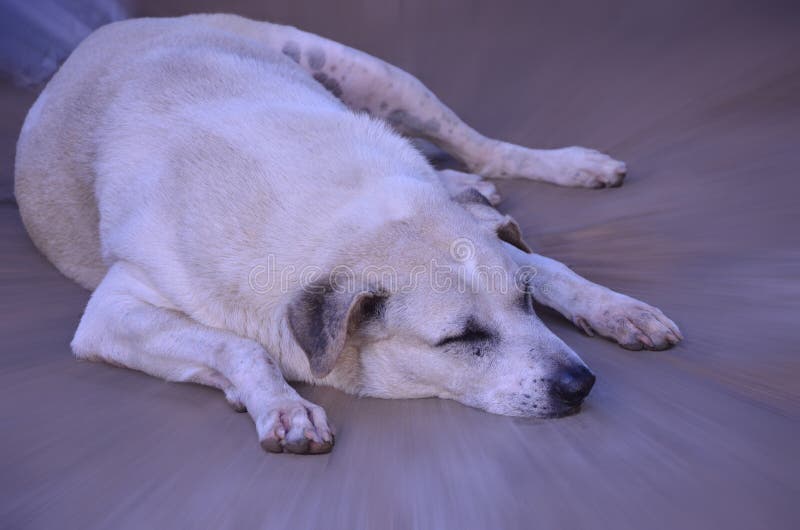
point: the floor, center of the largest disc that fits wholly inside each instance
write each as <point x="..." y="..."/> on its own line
<point x="702" y="103"/>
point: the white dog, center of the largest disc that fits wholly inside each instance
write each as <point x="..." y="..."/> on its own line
<point x="238" y="197"/>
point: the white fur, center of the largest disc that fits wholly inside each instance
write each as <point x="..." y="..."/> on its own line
<point x="170" y="158"/>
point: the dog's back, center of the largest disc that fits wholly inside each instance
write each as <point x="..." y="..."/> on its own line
<point x="210" y="102"/>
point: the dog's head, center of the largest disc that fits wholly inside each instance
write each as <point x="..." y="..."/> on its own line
<point x="438" y="308"/>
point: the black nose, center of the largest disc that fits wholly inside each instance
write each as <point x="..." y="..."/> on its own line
<point x="573" y="384"/>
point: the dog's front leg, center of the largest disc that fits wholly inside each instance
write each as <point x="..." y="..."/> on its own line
<point x="127" y="322"/>
<point x="594" y="308"/>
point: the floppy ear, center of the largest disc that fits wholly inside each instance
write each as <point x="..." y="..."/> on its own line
<point x="509" y="231"/>
<point x="321" y="319"/>
<point x="504" y="226"/>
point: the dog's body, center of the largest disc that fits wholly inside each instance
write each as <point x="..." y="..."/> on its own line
<point x="207" y="177"/>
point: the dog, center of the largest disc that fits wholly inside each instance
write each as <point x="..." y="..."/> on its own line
<point x="246" y="205"/>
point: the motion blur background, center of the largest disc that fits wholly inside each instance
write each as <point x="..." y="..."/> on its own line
<point x="701" y="99"/>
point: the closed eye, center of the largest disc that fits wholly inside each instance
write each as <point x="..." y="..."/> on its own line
<point x="471" y="333"/>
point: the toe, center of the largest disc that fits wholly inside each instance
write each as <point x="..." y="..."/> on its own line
<point x="658" y="335"/>
<point x="299" y="430"/>
<point x="320" y="422"/>
<point x="616" y="175"/>
<point x="616" y="181"/>
<point x="321" y="447"/>
<point x="296" y="445"/>
<point x="273" y="433"/>
<point x="272" y="444"/>
<point x="645" y="340"/>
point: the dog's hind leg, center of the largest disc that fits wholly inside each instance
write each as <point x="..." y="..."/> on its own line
<point x="366" y="83"/>
<point x="594" y="308"/>
<point x="126" y="323"/>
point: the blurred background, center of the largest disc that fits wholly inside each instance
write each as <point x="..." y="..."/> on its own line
<point x="701" y="99"/>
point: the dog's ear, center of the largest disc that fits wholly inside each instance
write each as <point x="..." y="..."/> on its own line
<point x="509" y="231"/>
<point x="322" y="318"/>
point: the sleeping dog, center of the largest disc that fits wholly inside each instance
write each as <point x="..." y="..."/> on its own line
<point x="245" y="203"/>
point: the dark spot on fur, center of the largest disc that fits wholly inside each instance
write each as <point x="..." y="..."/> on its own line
<point x="314" y="319"/>
<point x="330" y="84"/>
<point x="316" y="58"/>
<point x="527" y="395"/>
<point x="431" y="126"/>
<point x="384" y="105"/>
<point x="322" y="317"/>
<point x="292" y="50"/>
<point x="397" y="117"/>
<point x="401" y="119"/>
<point x="372" y="308"/>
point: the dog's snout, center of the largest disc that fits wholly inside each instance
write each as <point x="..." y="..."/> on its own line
<point x="573" y="384"/>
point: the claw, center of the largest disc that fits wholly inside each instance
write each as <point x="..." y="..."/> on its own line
<point x="585" y="326"/>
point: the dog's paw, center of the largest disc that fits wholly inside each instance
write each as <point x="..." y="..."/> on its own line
<point x="581" y="167"/>
<point x="569" y="166"/>
<point x="631" y="323"/>
<point x="294" y="425"/>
